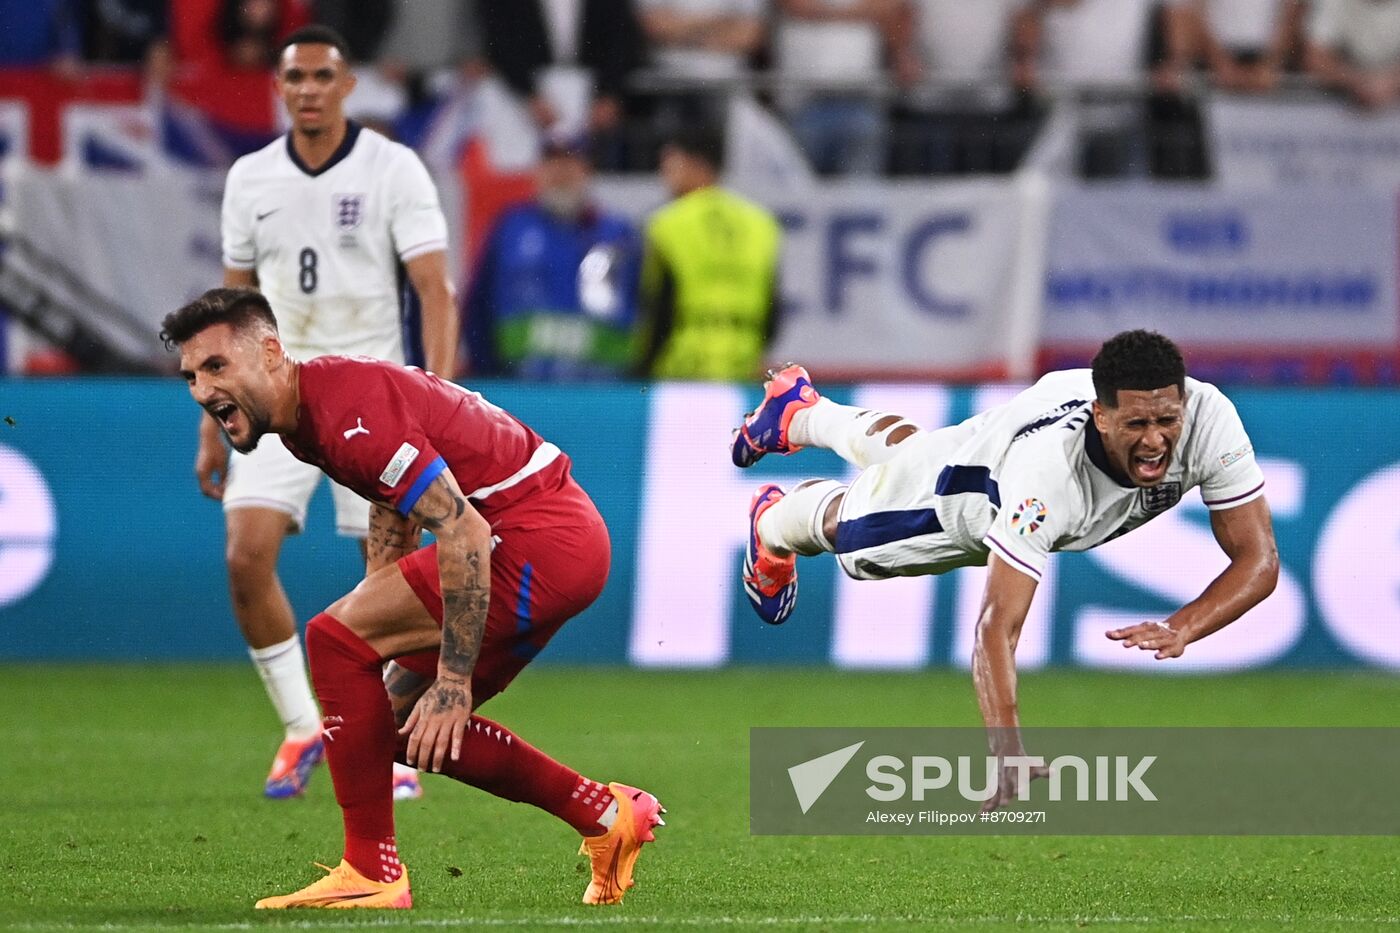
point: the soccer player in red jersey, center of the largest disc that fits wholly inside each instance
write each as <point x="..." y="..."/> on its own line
<point x="520" y="550"/>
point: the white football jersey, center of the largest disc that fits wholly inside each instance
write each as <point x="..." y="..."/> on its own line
<point x="1030" y="477"/>
<point x="327" y="244"/>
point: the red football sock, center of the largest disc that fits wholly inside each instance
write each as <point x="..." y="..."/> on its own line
<point x="501" y="763"/>
<point x="360" y="739"/>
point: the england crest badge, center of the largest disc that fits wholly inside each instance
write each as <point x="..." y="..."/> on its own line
<point x="349" y="211"/>
<point x="1159" y="498"/>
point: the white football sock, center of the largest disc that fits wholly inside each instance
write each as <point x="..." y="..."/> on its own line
<point x="793" y="524"/>
<point x="846" y="430"/>
<point x="283" y="672"/>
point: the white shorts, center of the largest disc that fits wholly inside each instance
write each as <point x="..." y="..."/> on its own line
<point x="271" y="478"/>
<point x="889" y="523"/>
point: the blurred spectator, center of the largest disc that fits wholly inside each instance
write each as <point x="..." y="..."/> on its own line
<point x="380" y="97"/>
<point x="710" y="272"/>
<point x="554" y="294"/>
<point x="564" y="57"/>
<point x="700" y="46"/>
<point x="433" y="36"/>
<point x="1097" y="43"/>
<point x="1100" y="50"/>
<point x="129" y="32"/>
<point x="37" y="33"/>
<point x="1244" y="44"/>
<point x="363" y="23"/>
<point x="966" y="117"/>
<point x="248" y="30"/>
<point x="703" y="40"/>
<point x="842" y="42"/>
<point x="197" y="30"/>
<point x="1354" y="46"/>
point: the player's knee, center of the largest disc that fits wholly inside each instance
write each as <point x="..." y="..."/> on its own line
<point x="318" y="640"/>
<point x="250" y="572"/>
<point x="326" y="635"/>
<point x="316" y="629"/>
<point x="344" y="607"/>
<point x="356" y="610"/>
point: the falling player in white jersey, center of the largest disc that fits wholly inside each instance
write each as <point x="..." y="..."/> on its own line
<point x="1077" y="459"/>
<point x="320" y="221"/>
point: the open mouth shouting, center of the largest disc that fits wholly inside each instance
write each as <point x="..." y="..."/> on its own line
<point x="1149" y="470"/>
<point x="226" y="413"/>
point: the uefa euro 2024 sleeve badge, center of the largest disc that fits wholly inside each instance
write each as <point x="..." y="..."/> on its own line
<point x="1028" y="516"/>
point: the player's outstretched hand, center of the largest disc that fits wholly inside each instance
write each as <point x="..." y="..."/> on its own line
<point x="211" y="468"/>
<point x="1151" y="636"/>
<point x="1009" y="784"/>
<point x="438" y="722"/>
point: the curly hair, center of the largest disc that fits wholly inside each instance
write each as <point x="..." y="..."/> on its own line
<point x="237" y="307"/>
<point x="1137" y="359"/>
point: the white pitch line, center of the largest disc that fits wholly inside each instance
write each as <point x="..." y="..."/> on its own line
<point x="623" y="920"/>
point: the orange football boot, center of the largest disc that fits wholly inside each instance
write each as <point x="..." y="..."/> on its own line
<point x="344" y="887"/>
<point x="614" y="853"/>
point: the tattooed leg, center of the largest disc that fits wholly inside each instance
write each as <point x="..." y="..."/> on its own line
<point x="404" y="687"/>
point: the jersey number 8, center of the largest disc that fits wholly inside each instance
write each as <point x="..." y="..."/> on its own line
<point x="307" y="277"/>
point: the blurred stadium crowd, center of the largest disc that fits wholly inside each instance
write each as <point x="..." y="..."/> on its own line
<point x="873" y="87"/>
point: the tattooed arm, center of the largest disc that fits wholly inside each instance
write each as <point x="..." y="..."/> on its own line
<point x="391" y="536"/>
<point x="439" y="718"/>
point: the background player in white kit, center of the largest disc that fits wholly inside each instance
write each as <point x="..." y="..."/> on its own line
<point x="1079" y="458"/>
<point x="320" y="221"/>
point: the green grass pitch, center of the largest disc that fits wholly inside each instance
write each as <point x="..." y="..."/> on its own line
<point x="129" y="799"/>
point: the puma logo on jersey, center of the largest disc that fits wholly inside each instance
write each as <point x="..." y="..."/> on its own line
<point x="359" y="428"/>
<point x="266" y="214"/>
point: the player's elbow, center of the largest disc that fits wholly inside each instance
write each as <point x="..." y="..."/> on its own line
<point x="1262" y="566"/>
<point x="436" y="291"/>
<point x="995" y="625"/>
<point x="467" y="530"/>
<point x="1266" y="571"/>
<point x="447" y="293"/>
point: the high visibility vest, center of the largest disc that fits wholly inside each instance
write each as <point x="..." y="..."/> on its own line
<point x="714" y="256"/>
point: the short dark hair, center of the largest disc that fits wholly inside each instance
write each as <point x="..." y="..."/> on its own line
<point x="237" y="307"/>
<point x="573" y="145"/>
<point x="703" y="142"/>
<point x="1137" y="359"/>
<point x="316" y="34"/>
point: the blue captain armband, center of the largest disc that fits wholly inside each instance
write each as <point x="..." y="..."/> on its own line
<point x="420" y="485"/>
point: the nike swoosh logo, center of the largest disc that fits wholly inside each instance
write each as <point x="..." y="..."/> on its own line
<point x="267" y="215"/>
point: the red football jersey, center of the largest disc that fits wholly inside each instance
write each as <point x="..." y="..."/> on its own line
<point x="387" y="431"/>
